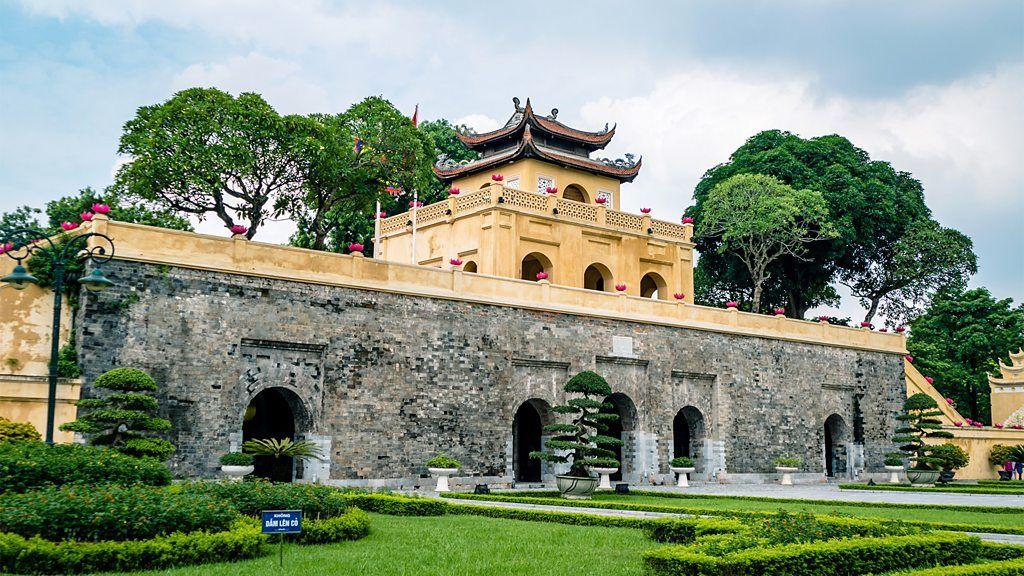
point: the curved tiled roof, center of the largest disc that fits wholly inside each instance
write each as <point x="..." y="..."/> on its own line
<point x="526" y="117"/>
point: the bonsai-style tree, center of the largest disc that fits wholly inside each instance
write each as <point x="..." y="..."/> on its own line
<point x="919" y="422"/>
<point x="124" y="419"/>
<point x="574" y="442"/>
<point x="950" y="456"/>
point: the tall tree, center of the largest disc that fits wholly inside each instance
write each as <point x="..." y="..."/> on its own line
<point x="868" y="202"/>
<point x="20" y="217"/>
<point x="902" y="275"/>
<point x="70" y="209"/>
<point x="758" y="220"/>
<point x="205" y="152"/>
<point x="958" y="339"/>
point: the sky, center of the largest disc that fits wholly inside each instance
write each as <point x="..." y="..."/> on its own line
<point x="935" y="87"/>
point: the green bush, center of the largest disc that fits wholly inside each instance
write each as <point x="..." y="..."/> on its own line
<point x="852" y="557"/>
<point x="443" y="461"/>
<point x="352" y="525"/>
<point x="789" y="462"/>
<point x="1004" y="568"/>
<point x="999" y="455"/>
<point x="19" y="555"/>
<point x="949" y="456"/>
<point x="110" y="512"/>
<point x="995" y="551"/>
<point x="28" y="465"/>
<point x="722" y="544"/>
<point x="236" y="459"/>
<point x="681" y="462"/>
<point x="15" y="431"/>
<point x="685" y="531"/>
<point x="788" y="528"/>
<point x="394" y="505"/>
<point x="251" y="498"/>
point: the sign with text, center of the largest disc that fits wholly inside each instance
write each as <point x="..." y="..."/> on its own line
<point x="282" y="521"/>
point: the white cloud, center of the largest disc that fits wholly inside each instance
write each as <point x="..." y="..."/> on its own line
<point x="479" y="122"/>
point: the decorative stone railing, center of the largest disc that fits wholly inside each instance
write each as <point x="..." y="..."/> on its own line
<point x="540" y="204"/>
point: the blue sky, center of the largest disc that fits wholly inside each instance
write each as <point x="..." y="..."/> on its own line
<point x="934" y="87"/>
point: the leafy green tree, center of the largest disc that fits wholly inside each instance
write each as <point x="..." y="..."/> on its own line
<point x="868" y="203"/>
<point x="124" y="419"/>
<point x="903" y="274"/>
<point x="759" y="220"/>
<point x="70" y="209"/>
<point x="957" y="341"/>
<point x="20" y="217"/>
<point x="447" y="146"/>
<point x="919" y="421"/>
<point x="581" y="442"/>
<point x="205" y="152"/>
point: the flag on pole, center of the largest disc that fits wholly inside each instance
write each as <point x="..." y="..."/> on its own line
<point x="415" y="116"/>
<point x="357" y="147"/>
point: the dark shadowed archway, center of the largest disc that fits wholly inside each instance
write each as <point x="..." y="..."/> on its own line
<point x="528" y="436"/>
<point x="688" y="432"/>
<point x="273" y="413"/>
<point x="652" y="285"/>
<point x="597" y="277"/>
<point x="623" y="430"/>
<point x="533" y="264"/>
<point x="835" y="446"/>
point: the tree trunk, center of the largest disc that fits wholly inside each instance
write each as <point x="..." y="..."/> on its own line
<point x="872" y="310"/>
<point x="755" y="300"/>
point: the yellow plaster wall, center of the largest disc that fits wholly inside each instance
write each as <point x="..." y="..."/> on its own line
<point x="24" y="399"/>
<point x="529" y="169"/>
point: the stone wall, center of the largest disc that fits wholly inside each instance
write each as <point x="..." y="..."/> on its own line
<point x="387" y="380"/>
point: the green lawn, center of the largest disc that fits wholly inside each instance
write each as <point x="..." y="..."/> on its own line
<point x="455" y="546"/>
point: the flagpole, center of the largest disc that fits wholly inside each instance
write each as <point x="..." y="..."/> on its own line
<point x="415" y="205"/>
<point x="376" y="230"/>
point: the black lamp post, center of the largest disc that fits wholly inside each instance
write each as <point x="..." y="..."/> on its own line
<point x="25" y="242"/>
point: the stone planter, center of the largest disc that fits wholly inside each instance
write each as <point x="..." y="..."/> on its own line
<point x="787" y="474"/>
<point x="683" y="473"/>
<point x="442" y="477"/>
<point x="946" y="476"/>
<point x="236" y="473"/>
<point x="606" y="482"/>
<point x="894" y="473"/>
<point x="1005" y="475"/>
<point x="922" y="476"/>
<point x="576" y="487"/>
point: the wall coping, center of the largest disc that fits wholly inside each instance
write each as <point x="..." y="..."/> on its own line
<point x="236" y="255"/>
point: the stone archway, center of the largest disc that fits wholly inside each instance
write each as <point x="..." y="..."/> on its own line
<point x="534" y="263"/>
<point x="597" y="277"/>
<point x="652" y="285"/>
<point x="622" y="429"/>
<point x="688" y="433"/>
<point x="274" y="412"/>
<point x="835" y="446"/>
<point x="528" y="436"/>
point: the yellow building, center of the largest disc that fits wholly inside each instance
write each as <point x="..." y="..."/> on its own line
<point x="1008" y="392"/>
<point x="536" y="206"/>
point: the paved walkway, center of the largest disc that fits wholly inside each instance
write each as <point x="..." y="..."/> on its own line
<point x="1002" y="538"/>
<point x="832" y="492"/>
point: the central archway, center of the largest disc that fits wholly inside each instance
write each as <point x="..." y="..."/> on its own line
<point x="652" y="285"/>
<point x="597" y="277"/>
<point x="533" y="264"/>
<point x="273" y="413"/>
<point x="528" y="436"/>
<point x="688" y="433"/>
<point x="835" y="446"/>
<point x="576" y="193"/>
<point x="622" y="429"/>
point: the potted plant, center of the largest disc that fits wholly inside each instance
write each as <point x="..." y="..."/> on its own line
<point x="282" y="452"/>
<point x="787" y="465"/>
<point x="998" y="457"/>
<point x="949" y="457"/>
<point x="236" y="465"/>
<point x="682" y="466"/>
<point x="919" y="422"/>
<point x="580" y="442"/>
<point x="894" y="465"/>
<point x="443" y="466"/>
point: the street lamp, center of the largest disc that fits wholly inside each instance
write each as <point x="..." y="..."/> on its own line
<point x="25" y="242"/>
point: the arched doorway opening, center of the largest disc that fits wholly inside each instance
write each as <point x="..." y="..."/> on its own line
<point x="622" y="429"/>
<point x="533" y="264"/>
<point x="576" y="192"/>
<point x="528" y="436"/>
<point x="273" y="413"/>
<point x="597" y="277"/>
<point x="652" y="285"/>
<point x="835" y="446"/>
<point x="469" y="267"/>
<point x="688" y="433"/>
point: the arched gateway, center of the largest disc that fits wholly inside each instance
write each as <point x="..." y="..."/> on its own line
<point x="528" y="436"/>
<point x="274" y="413"/>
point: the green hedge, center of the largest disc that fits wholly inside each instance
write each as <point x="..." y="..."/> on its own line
<point x="352" y="525"/>
<point x="1004" y="568"/>
<point x="395" y="505"/>
<point x="109" y="512"/>
<point x="19" y="555"/>
<point x="28" y="465"/>
<point x="997" y="551"/>
<point x="251" y="498"/>
<point x="954" y="489"/>
<point x="852" y="557"/>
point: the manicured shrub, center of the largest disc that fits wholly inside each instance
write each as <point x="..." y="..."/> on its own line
<point x="681" y="462"/>
<point x="352" y="525"/>
<point x="236" y="459"/>
<point x="995" y="551"/>
<point x="949" y="456"/>
<point x="582" y="443"/>
<point x="394" y="505"/>
<point x="28" y="465"/>
<point x="443" y="461"/>
<point x="19" y="555"/>
<point x="684" y="531"/>
<point x="1003" y="568"/>
<point x="110" y="512"/>
<point x="251" y="498"/>
<point x="14" y="431"/>
<point x="722" y="544"/>
<point x="788" y="528"/>
<point x="789" y="462"/>
<point x="999" y="454"/>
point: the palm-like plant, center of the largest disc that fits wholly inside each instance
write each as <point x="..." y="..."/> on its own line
<point x="282" y="448"/>
<point x="1016" y="453"/>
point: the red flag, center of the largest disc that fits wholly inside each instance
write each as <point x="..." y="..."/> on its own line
<point x="415" y="114"/>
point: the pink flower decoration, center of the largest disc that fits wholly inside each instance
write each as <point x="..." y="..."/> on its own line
<point x="453" y="191"/>
<point x="732" y="304"/>
<point x="416" y="204"/>
<point x="100" y="208"/>
<point x="6" y="247"/>
<point x="620" y="287"/>
<point x="542" y="275"/>
<point x="68" y="225"/>
<point x="780" y="311"/>
<point x="687" y="220"/>
<point x="968" y="421"/>
<point x="86" y="216"/>
<point x="679" y="296"/>
<point x="601" y="200"/>
<point x="238" y="229"/>
<point x="551" y="190"/>
<point x="883" y="329"/>
<point x="382" y="215"/>
<point x="497" y="177"/>
<point x="645" y="210"/>
<point x="1017" y="427"/>
<point x="866" y="325"/>
<point x="355" y="247"/>
<point x="455" y="262"/>
<point x="998" y="425"/>
<point x="958" y="424"/>
<point x="930" y="380"/>
<point x="822" y="318"/>
<point x="948" y="400"/>
<point x="909" y="359"/>
<point x="901" y="328"/>
<point x="977" y="424"/>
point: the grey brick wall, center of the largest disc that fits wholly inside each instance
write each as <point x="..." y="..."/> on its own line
<point x="391" y="379"/>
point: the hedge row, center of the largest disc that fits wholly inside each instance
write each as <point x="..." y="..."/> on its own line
<point x="962" y="489"/>
<point x="835" y="557"/>
<point x="29" y="465"/>
<point x="1003" y="568"/>
<point x="997" y="551"/>
<point x="19" y="555"/>
<point x="395" y="505"/>
<point x="352" y="525"/>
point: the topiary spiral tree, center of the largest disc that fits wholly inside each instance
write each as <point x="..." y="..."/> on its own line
<point x="124" y="419"/>
<point x="919" y="419"/>
<point x="580" y="442"/>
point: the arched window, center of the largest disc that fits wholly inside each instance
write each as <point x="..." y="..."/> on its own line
<point x="469" y="267"/>
<point x="533" y="264"/>
<point x="597" y="277"/>
<point x="652" y="285"/>
<point x="575" y="192"/>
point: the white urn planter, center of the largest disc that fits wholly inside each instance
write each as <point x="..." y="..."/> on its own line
<point x="606" y="481"/>
<point x="787" y="474"/>
<point x="576" y="487"/>
<point x="236" y="473"/>
<point x="684" y="474"/>
<point x="442" y="477"/>
<point x="894" y="473"/>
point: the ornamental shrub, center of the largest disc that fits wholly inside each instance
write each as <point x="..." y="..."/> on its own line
<point x="442" y="460"/>
<point x="14" y="431"/>
<point x="894" y="459"/>
<point x="919" y="421"/>
<point x="1004" y="568"/>
<point x="573" y="442"/>
<point x="109" y="512"/>
<point x="251" y="498"/>
<point x="124" y="419"/>
<point x="28" y="465"/>
<point x="394" y="505"/>
<point x="999" y="455"/>
<point x="788" y="528"/>
<point x="681" y="462"/>
<point x="236" y="459"/>
<point x="948" y="456"/>
<point x="788" y="462"/>
<point x="352" y="525"/>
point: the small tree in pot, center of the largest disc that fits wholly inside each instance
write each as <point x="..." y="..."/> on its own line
<point x="580" y="443"/>
<point x="919" y="418"/>
<point x="950" y="457"/>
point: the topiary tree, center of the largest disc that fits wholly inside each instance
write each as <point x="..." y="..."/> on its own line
<point x="17" y="431"/>
<point x="573" y="442"/>
<point x="124" y="419"/>
<point x="950" y="456"/>
<point x="919" y="422"/>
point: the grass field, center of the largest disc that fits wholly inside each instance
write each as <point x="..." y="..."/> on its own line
<point x="454" y="546"/>
<point x="997" y="489"/>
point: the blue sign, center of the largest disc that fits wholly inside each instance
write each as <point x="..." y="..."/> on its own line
<point x="282" y="521"/>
